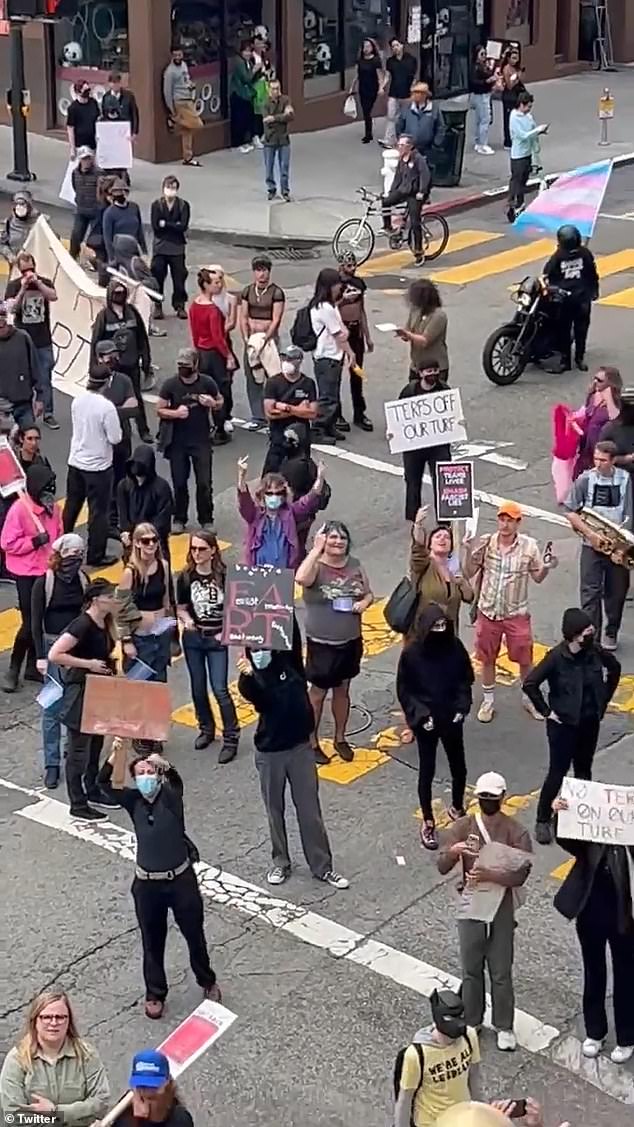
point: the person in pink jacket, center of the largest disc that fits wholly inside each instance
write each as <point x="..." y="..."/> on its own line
<point x="31" y="525"/>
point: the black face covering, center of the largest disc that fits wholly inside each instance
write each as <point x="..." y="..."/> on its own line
<point x="118" y="298"/>
<point x="490" y="805"/>
<point x="587" y="641"/>
<point x="448" y="1013"/>
<point x="68" y="567"/>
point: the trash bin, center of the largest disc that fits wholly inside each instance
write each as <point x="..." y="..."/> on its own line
<point x="445" y="160"/>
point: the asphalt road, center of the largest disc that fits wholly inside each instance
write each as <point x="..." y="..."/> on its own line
<point x="321" y="1013"/>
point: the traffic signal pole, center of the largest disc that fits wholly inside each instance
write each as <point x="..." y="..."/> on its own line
<point x="19" y="100"/>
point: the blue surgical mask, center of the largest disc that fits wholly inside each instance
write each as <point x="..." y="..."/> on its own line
<point x="261" y="659"/>
<point x="273" y="501"/>
<point x="147" y="785"/>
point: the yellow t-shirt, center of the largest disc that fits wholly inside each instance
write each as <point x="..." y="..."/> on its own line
<point x="445" y="1076"/>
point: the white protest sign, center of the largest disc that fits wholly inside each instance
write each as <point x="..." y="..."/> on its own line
<point x="79" y="300"/>
<point x="114" y="144"/>
<point x="424" y="420"/>
<point x="597" y="812"/>
<point x="67" y="192"/>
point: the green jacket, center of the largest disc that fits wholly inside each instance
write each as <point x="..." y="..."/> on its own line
<point x="276" y="132"/>
<point x="79" y="1089"/>
<point x="241" y="80"/>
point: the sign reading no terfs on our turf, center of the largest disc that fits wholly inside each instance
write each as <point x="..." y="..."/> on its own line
<point x="431" y="419"/>
<point x="454" y="490"/>
<point x="259" y="607"/>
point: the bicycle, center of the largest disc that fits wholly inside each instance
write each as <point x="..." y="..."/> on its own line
<point x="359" y="236"/>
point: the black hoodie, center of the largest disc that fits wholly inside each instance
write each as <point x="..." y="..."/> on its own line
<point x="127" y="332"/>
<point x="19" y="368"/>
<point x="38" y="478"/>
<point x="435" y="674"/>
<point x="280" y="696"/>
<point x="150" y="501"/>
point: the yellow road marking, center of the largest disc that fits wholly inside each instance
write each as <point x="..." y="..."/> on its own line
<point x="494" y="264"/>
<point x="608" y="264"/>
<point x="338" y="771"/>
<point x="507" y="673"/>
<point x="396" y="260"/>
<point x="624" y="299"/>
<point x="10" y="622"/>
<point x="561" y="872"/>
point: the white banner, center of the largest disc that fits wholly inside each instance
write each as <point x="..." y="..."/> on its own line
<point x="597" y="812"/>
<point x="114" y="144"/>
<point x="424" y="420"/>
<point x="67" y="192"/>
<point x="79" y="300"/>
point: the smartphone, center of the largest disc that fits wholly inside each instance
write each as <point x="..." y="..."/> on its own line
<point x="473" y="843"/>
<point x="518" y="1110"/>
<point x="548" y="552"/>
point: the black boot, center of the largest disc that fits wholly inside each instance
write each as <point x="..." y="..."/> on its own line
<point x="11" y="679"/>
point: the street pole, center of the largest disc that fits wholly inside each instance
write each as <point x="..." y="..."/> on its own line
<point x="19" y="102"/>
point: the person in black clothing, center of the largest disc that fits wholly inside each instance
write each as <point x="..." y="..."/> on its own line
<point x="144" y="497"/>
<point x="56" y="600"/>
<point x="300" y="472"/>
<point x="169" y="220"/>
<point x="290" y="397"/>
<point x="184" y="406"/>
<point x="121" y="323"/>
<point x="573" y="268"/>
<point x="118" y="388"/>
<point x="424" y="382"/>
<point x="120" y="104"/>
<point x="20" y="373"/>
<point x="81" y="120"/>
<point x="620" y="431"/>
<point x="85" y="646"/>
<point x="400" y="71"/>
<point x="122" y="217"/>
<point x="434" y="686"/>
<point x="31" y="295"/>
<point x="411" y="185"/>
<point x="164" y="875"/>
<point x="582" y="679"/>
<point x="351" y="306"/>
<point x="26" y="442"/>
<point x="271" y="682"/>
<point x="598" y="894"/>
<point x="368" y="82"/>
<point x="85" y="180"/>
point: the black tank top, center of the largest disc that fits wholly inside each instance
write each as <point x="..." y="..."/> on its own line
<point x="151" y="594"/>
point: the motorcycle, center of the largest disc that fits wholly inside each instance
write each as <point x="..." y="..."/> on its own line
<point x="530" y="337"/>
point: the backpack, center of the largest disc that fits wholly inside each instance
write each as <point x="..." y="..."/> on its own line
<point x="49" y="582"/>
<point x="302" y="333"/>
<point x="398" y="1072"/>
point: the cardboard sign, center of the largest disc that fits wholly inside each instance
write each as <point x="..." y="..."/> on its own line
<point x="114" y="144"/>
<point x="597" y="812"/>
<point x="433" y="419"/>
<point x="134" y="710"/>
<point x="259" y="607"/>
<point x="454" y="490"/>
<point x="12" y="476"/>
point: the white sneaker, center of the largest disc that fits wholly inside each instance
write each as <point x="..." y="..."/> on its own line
<point x="621" y="1053"/>
<point x="478" y="149"/>
<point x="335" y="880"/>
<point x="507" y="1042"/>
<point x="245" y="149"/>
<point x="486" y="712"/>
<point x="591" y="1048"/>
<point x="228" y="426"/>
<point x="258" y="143"/>
<point x="252" y="425"/>
<point x="277" y="875"/>
<point x="486" y="150"/>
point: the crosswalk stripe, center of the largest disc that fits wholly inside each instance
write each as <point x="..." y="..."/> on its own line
<point x="493" y="264"/>
<point x="624" y="299"/>
<point x="395" y="260"/>
<point x="608" y="264"/>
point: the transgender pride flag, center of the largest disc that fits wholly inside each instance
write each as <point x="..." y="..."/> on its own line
<point x="575" y="197"/>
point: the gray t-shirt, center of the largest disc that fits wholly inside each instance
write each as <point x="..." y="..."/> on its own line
<point x="324" y="623"/>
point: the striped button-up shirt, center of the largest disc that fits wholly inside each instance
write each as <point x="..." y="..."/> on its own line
<point x="504" y="589"/>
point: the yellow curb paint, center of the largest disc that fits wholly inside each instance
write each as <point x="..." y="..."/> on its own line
<point x="10" y="621"/>
<point x="561" y="872"/>
<point x="395" y="260"/>
<point x="624" y="299"/>
<point x="623" y="699"/>
<point x="377" y="635"/>
<point x="246" y="714"/>
<point x="511" y="805"/>
<point x="338" y="771"/>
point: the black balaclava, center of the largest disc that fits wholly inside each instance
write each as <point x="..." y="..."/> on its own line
<point x="447" y="1010"/>
<point x="40" y="485"/>
<point x="574" y="622"/>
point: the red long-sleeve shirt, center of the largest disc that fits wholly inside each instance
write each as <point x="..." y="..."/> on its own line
<point x="207" y="326"/>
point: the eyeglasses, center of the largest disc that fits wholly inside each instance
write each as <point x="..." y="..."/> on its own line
<point x="201" y="548"/>
<point x="51" y="1019"/>
<point x="275" y="493"/>
<point x="147" y="541"/>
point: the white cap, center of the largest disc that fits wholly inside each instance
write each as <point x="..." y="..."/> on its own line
<point x="491" y="783"/>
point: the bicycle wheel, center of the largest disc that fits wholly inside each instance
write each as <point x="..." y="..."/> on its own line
<point x="356" y="235"/>
<point x="435" y="235"/>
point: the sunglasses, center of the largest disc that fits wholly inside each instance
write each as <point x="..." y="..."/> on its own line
<point x="201" y="548"/>
<point x="275" y="493"/>
<point x="147" y="540"/>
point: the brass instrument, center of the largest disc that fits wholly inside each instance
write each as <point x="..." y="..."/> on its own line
<point x="616" y="542"/>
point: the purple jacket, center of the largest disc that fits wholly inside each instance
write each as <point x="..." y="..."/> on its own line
<point x="289" y="515"/>
<point x="593" y="424"/>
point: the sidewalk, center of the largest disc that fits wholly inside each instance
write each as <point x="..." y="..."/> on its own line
<point x="228" y="194"/>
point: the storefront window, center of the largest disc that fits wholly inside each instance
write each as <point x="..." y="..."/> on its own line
<point x="322" y="48"/>
<point x="365" y="19"/>
<point x="90" y="40"/>
<point x="519" y="21"/>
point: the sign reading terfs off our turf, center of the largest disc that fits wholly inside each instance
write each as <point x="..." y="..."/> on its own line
<point x="432" y="419"/>
<point x="454" y="490"/>
<point x="259" y="606"/>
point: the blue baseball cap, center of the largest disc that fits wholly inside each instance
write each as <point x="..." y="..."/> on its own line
<point x="150" y="1069"/>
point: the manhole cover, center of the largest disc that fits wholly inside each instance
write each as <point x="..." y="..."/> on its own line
<point x="292" y="254"/>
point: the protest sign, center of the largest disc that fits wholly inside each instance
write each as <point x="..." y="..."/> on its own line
<point x="597" y="812"/>
<point x="67" y="192"/>
<point x="424" y="420"/>
<point x="259" y="606"/>
<point x="114" y="144"/>
<point x="79" y="300"/>
<point x="135" y="710"/>
<point x="454" y="490"/>
<point x="12" y="476"/>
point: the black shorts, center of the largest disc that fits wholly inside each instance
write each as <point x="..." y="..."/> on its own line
<point x="328" y="666"/>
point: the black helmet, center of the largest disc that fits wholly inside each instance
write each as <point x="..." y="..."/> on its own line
<point x="569" y="237"/>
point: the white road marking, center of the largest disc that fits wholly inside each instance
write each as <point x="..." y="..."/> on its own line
<point x="504" y="460"/>
<point x="628" y="217"/>
<point x="338" y="941"/>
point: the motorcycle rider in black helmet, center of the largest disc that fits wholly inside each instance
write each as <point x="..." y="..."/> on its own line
<point x="572" y="268"/>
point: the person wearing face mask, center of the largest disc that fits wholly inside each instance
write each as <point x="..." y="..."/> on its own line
<point x="85" y="180"/>
<point x="288" y="398"/>
<point x="122" y="217"/>
<point x="31" y="296"/>
<point x="582" y="678"/>
<point x="434" y="685"/>
<point x="490" y="943"/>
<point x="164" y="875"/>
<point x="18" y="226"/>
<point x="56" y="600"/>
<point x="271" y="682"/>
<point x="81" y="120"/>
<point x="143" y="496"/>
<point x="120" y="104"/>
<point x="169" y="219"/>
<point x="272" y="516"/>
<point x="155" y="1097"/>
<point x="20" y="371"/>
<point x="184" y="405"/>
<point x="121" y="323"/>
<point x="32" y="523"/>
<point x="424" y="381"/>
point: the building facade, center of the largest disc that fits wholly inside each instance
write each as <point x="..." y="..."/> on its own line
<point x="314" y="47"/>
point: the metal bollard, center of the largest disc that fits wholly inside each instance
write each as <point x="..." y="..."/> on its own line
<point x="606" y="113"/>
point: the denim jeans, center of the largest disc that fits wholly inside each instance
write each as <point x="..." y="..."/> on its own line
<point x="154" y="650"/>
<point x="328" y="379"/>
<point x="283" y="154"/>
<point x="208" y="659"/>
<point x="255" y="393"/>
<point x="51" y="725"/>
<point x="482" y="105"/>
<point x="46" y="361"/>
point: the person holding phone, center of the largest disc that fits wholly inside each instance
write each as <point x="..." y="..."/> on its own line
<point x="525" y="133"/>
